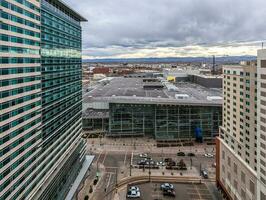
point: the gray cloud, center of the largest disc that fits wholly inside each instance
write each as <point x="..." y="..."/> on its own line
<point x="117" y="27"/>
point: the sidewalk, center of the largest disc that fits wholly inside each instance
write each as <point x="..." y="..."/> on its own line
<point x="96" y="148"/>
<point x="84" y="189"/>
<point x="165" y="172"/>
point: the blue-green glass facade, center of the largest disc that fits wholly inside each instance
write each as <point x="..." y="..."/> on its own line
<point x="41" y="149"/>
<point x="61" y="99"/>
<point x="164" y="122"/>
<point x="61" y="72"/>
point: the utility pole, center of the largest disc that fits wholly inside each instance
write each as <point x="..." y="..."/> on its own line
<point x="190" y="163"/>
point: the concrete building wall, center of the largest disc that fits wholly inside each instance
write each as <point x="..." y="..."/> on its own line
<point x="207" y="82"/>
<point x="261" y="141"/>
<point x="238" y="134"/>
<point x="237" y="178"/>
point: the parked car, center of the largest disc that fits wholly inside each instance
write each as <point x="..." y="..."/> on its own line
<point x="167" y="160"/>
<point x="182" y="164"/>
<point x="170" y="193"/>
<point x="133" y="194"/>
<point x="208" y="155"/>
<point x="167" y="186"/>
<point x="204" y="173"/>
<point x="143" y="155"/>
<point x="181" y="153"/>
<point x="161" y="163"/>
<point x="150" y="162"/>
<point x="191" y="154"/>
<point x="142" y="162"/>
<point x="171" y="163"/>
<point x="134" y="188"/>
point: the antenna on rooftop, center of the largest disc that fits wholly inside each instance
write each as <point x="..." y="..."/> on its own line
<point x="262" y="45"/>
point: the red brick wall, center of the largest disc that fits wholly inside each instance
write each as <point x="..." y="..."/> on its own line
<point x="101" y="70"/>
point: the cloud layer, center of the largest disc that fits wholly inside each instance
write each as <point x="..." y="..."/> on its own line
<point x="162" y="28"/>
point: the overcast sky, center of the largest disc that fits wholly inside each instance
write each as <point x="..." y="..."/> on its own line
<point x="171" y="28"/>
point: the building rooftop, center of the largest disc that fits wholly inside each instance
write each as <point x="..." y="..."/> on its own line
<point x="66" y="9"/>
<point x="131" y="90"/>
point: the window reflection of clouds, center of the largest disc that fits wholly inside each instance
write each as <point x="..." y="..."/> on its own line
<point x="67" y="53"/>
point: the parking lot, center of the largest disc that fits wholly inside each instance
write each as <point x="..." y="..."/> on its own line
<point x="115" y="156"/>
<point x="152" y="191"/>
<point x="193" y="164"/>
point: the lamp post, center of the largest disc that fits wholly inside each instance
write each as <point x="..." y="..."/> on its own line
<point x="149" y="169"/>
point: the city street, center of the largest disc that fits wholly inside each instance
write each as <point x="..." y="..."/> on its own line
<point x="114" y="158"/>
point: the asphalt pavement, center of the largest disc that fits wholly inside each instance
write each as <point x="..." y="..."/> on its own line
<point x="152" y="191"/>
<point x="114" y="162"/>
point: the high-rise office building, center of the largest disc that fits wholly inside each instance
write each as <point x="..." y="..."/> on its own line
<point x="20" y="95"/>
<point x="237" y="145"/>
<point x="40" y="99"/>
<point x="261" y="156"/>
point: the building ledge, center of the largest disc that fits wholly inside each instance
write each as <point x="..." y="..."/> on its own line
<point x="85" y="166"/>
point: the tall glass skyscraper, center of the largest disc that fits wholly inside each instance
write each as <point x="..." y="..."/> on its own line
<point x="40" y="99"/>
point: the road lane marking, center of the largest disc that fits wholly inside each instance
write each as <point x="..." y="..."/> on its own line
<point x="125" y="158"/>
<point x="104" y="156"/>
<point x="197" y="191"/>
<point x="108" y="182"/>
<point x="99" y="157"/>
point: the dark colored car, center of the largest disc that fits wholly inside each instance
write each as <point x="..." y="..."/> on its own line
<point x="170" y="193"/>
<point x="181" y="153"/>
<point x="171" y="163"/>
<point x="191" y="154"/>
<point x="167" y="160"/>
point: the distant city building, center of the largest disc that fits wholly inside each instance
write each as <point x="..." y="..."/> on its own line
<point x="237" y="145"/>
<point x="40" y="99"/>
<point x="101" y="70"/>
<point x="200" y="76"/>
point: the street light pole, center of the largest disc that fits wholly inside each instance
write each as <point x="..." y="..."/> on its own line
<point x="149" y="169"/>
<point x="116" y="179"/>
<point x="162" y="151"/>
